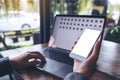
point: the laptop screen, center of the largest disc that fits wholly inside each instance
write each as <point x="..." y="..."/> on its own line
<point x="69" y="28"/>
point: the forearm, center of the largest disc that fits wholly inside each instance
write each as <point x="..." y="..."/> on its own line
<point x="76" y="76"/>
<point x="5" y="67"/>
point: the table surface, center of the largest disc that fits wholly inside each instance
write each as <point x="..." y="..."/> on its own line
<point x="108" y="63"/>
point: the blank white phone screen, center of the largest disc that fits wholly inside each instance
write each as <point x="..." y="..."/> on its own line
<point x="86" y="42"/>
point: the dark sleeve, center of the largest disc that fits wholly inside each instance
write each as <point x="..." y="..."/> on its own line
<point x="76" y="76"/>
<point x="5" y="67"/>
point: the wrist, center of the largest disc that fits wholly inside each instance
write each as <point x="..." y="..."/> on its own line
<point x="12" y="63"/>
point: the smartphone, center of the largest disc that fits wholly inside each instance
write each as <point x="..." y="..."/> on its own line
<point x="85" y="44"/>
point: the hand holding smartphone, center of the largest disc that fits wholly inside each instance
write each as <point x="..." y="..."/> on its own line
<point x="85" y="44"/>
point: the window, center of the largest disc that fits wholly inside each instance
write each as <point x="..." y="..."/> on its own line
<point x="108" y="8"/>
<point x="18" y="20"/>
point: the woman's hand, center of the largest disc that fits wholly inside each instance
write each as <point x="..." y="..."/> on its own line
<point x="26" y="60"/>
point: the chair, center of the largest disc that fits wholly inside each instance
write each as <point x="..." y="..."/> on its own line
<point x="3" y="42"/>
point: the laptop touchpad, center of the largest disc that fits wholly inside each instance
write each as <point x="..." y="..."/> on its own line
<point x="50" y="66"/>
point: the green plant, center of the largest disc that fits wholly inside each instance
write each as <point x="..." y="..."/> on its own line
<point x="115" y="33"/>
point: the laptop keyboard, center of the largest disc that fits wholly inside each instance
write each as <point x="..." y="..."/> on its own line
<point x="57" y="54"/>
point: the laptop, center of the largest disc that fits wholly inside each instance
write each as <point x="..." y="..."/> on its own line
<point x="67" y="29"/>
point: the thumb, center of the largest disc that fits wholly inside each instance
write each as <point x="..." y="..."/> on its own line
<point x="95" y="52"/>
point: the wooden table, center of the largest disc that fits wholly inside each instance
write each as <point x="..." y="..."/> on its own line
<point x="108" y="63"/>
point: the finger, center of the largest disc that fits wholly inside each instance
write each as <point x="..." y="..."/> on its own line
<point x="95" y="53"/>
<point x="40" y="55"/>
<point x="75" y="60"/>
<point x="75" y="43"/>
<point x="36" y="55"/>
<point x="97" y="44"/>
<point x="35" y="62"/>
<point x="96" y="49"/>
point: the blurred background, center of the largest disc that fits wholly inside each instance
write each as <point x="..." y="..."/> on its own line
<point x="20" y="19"/>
